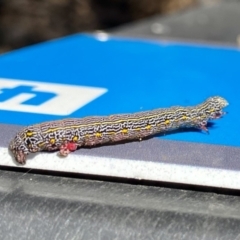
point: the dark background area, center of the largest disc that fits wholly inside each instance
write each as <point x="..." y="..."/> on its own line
<point x="25" y="22"/>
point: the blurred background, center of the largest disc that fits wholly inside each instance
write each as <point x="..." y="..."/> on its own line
<point x="26" y="22"/>
<point x="70" y="207"/>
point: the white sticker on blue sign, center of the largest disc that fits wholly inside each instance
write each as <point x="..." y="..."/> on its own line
<point x="45" y="98"/>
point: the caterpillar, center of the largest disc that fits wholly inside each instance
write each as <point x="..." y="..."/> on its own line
<point x="69" y="134"/>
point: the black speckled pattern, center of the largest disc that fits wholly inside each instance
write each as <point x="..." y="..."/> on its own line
<point x="156" y="150"/>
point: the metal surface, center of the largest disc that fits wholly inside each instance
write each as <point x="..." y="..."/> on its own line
<point x="47" y="207"/>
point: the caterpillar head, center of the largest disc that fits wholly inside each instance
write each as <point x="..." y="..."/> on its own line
<point x="214" y="107"/>
<point x="23" y="143"/>
<point x="19" y="149"/>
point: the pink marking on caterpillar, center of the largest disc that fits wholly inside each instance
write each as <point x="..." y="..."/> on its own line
<point x="69" y="134"/>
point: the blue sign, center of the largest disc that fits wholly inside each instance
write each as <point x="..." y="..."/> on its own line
<point x="85" y="75"/>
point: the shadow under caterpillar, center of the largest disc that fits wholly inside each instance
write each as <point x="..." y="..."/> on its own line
<point x="71" y="133"/>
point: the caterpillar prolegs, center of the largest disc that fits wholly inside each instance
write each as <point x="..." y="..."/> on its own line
<point x="69" y="134"/>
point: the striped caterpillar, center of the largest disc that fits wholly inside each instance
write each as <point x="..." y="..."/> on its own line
<point x="69" y="134"/>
